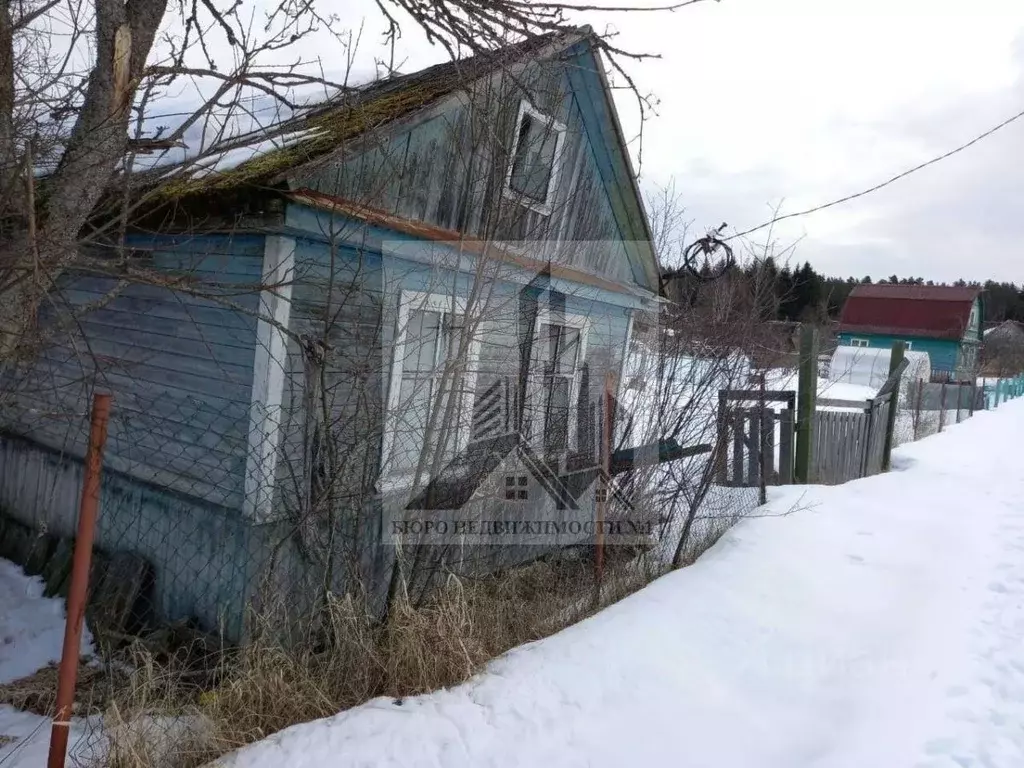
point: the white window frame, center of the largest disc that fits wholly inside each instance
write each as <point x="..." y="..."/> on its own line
<point x="526" y="108"/>
<point x="858" y="342"/>
<point x="535" y="409"/>
<point x="909" y="344"/>
<point x="427" y="302"/>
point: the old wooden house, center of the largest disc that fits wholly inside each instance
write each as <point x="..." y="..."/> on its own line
<point x="1002" y="355"/>
<point x="944" y="321"/>
<point x="316" y="332"/>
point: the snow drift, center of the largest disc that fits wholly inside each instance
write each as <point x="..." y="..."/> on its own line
<point x="869" y="624"/>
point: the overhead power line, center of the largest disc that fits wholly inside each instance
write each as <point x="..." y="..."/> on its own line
<point x="877" y="187"/>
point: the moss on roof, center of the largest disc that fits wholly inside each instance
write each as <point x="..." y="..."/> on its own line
<point x="330" y="129"/>
<point x="331" y="125"/>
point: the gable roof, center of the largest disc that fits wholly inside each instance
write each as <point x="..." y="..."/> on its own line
<point x="938" y="312"/>
<point x="270" y="155"/>
<point x="1005" y="329"/>
<point x="266" y="154"/>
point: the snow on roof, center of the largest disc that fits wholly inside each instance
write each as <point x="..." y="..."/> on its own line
<point x="265" y="149"/>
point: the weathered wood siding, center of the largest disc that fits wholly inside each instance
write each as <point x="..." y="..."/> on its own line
<point x="337" y="369"/>
<point x="345" y="304"/>
<point x="179" y="368"/>
<point x="448" y="168"/>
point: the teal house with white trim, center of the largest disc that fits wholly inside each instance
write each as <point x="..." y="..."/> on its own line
<point x="944" y="321"/>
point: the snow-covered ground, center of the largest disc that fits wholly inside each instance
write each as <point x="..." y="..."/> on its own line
<point x="786" y="379"/>
<point x="876" y="623"/>
<point x="31" y="636"/>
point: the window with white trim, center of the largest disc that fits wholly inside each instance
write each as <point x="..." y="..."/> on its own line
<point x="536" y="157"/>
<point x="858" y="342"/>
<point x="424" y="376"/>
<point x="559" y="353"/>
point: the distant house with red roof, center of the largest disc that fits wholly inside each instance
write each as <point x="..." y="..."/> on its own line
<point x="943" y="321"/>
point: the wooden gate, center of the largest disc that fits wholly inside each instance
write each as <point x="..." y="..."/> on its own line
<point x="755" y="440"/>
<point x="851" y="443"/>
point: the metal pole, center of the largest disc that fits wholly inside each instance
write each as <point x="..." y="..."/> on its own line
<point x="605" y="485"/>
<point x="68" y="672"/>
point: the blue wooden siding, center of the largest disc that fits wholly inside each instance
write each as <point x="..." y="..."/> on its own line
<point x="362" y="306"/>
<point x="943" y="352"/>
<point x="179" y="368"/>
<point x="206" y="564"/>
<point x="437" y="170"/>
<point x="347" y="295"/>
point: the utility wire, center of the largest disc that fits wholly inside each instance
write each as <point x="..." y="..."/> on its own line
<point x="877" y="187"/>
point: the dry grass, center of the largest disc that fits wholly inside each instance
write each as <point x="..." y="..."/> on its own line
<point x="169" y="716"/>
<point x="159" y="719"/>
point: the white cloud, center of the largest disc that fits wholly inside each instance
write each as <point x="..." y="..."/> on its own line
<point x="804" y="101"/>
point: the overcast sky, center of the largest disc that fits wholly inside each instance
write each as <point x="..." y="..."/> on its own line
<point x="804" y="101"/>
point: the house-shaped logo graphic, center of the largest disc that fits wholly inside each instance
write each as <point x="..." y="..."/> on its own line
<point x="499" y="427"/>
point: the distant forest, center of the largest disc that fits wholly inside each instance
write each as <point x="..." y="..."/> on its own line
<point x="803" y="294"/>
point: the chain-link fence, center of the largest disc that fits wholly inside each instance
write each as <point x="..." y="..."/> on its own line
<point x="404" y="481"/>
<point x="927" y="408"/>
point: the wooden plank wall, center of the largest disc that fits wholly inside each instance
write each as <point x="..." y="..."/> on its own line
<point x="179" y="369"/>
<point x="849" y="444"/>
<point x="449" y="169"/>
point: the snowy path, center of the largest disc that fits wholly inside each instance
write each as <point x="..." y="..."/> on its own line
<point x="878" y="624"/>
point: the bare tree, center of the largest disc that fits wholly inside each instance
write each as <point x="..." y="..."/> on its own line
<point x="84" y="86"/>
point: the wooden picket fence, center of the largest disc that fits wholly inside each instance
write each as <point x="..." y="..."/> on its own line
<point x="748" y="435"/>
<point x="851" y="443"/>
<point x="761" y="442"/>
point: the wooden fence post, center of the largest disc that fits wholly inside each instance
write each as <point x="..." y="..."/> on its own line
<point x="721" y="443"/>
<point x="942" y="406"/>
<point x="899" y="349"/>
<point x="917" y="408"/>
<point x="807" y="394"/>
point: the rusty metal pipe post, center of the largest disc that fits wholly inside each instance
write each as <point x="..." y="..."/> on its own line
<point x="605" y="482"/>
<point x="68" y="673"/>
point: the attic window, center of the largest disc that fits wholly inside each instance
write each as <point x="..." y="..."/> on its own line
<point x="533" y="172"/>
